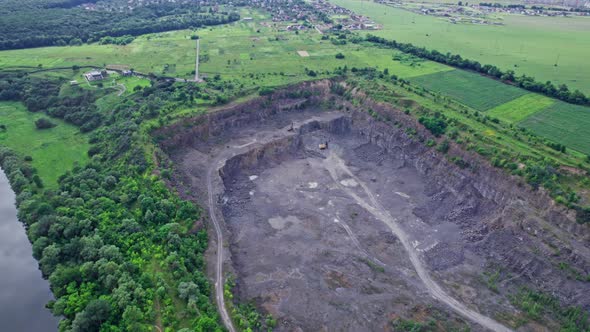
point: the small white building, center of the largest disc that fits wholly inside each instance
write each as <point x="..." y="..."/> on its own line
<point x="94" y="76"/>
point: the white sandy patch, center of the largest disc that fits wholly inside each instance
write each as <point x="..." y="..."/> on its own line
<point x="402" y="194"/>
<point x="253" y="177"/>
<point x="303" y="54"/>
<point x="349" y="183"/>
<point x="312" y="185"/>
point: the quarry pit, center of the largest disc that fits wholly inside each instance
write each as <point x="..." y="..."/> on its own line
<point x="335" y="219"/>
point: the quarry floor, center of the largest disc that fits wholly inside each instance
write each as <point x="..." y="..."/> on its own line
<point x="308" y="231"/>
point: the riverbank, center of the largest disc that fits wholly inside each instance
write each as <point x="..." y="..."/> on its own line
<point x="23" y="292"/>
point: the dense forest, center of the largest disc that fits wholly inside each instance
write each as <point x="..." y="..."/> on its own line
<point x="48" y="23"/>
<point x="561" y="92"/>
<point x="42" y="95"/>
<point x="117" y="246"/>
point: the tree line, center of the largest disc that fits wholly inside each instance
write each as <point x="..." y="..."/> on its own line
<point x="41" y="95"/>
<point x="535" y="7"/>
<point x="36" y="25"/>
<point x="529" y="83"/>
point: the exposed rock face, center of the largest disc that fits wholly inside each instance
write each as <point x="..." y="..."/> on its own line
<point x="194" y="131"/>
<point x="503" y="225"/>
<point x="517" y="229"/>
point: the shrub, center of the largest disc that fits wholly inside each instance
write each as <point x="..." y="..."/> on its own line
<point x="265" y="91"/>
<point x="436" y="125"/>
<point x="460" y="162"/>
<point x="443" y="147"/>
<point x="44" y="123"/>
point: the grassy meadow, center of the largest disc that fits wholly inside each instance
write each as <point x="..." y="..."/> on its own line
<point x="563" y="123"/>
<point x="520" y="108"/>
<point x="473" y="90"/>
<point x="54" y="150"/>
<point x="527" y="45"/>
<point x="235" y="51"/>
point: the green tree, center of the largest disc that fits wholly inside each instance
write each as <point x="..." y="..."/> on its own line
<point x="90" y="320"/>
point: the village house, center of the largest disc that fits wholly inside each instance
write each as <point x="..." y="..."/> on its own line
<point x="94" y="75"/>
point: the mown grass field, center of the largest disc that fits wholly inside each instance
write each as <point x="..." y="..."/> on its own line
<point x="473" y="90"/>
<point x="529" y="45"/>
<point x="54" y="150"/>
<point x="563" y="123"/>
<point x="520" y="108"/>
<point x="235" y="50"/>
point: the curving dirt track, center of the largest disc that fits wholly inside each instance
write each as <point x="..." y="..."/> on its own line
<point x="373" y="229"/>
<point x="335" y="165"/>
<point x="338" y="171"/>
<point x="219" y="282"/>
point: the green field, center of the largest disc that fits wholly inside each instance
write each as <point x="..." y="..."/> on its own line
<point x="260" y="53"/>
<point x="520" y="108"/>
<point x="473" y="90"/>
<point x="563" y="123"/>
<point x="54" y="150"/>
<point x="234" y="50"/>
<point x="526" y="44"/>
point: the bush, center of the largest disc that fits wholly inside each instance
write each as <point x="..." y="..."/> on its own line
<point x="460" y="162"/>
<point x="443" y="147"/>
<point x="339" y="56"/>
<point x="44" y="123"/>
<point x="583" y="214"/>
<point x="436" y="125"/>
<point x="265" y="91"/>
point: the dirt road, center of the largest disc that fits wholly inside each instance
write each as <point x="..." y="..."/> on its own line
<point x="219" y="283"/>
<point x="338" y="169"/>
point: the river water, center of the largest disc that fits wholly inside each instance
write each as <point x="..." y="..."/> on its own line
<point x="23" y="292"/>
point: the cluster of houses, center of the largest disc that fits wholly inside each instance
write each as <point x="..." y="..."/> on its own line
<point x="348" y="19"/>
<point x="98" y="75"/>
<point x="479" y="13"/>
<point x="296" y="27"/>
<point x="531" y="11"/>
<point x="314" y="12"/>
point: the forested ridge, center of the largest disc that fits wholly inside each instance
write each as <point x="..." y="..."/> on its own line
<point x="49" y="23"/>
<point x="118" y="248"/>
